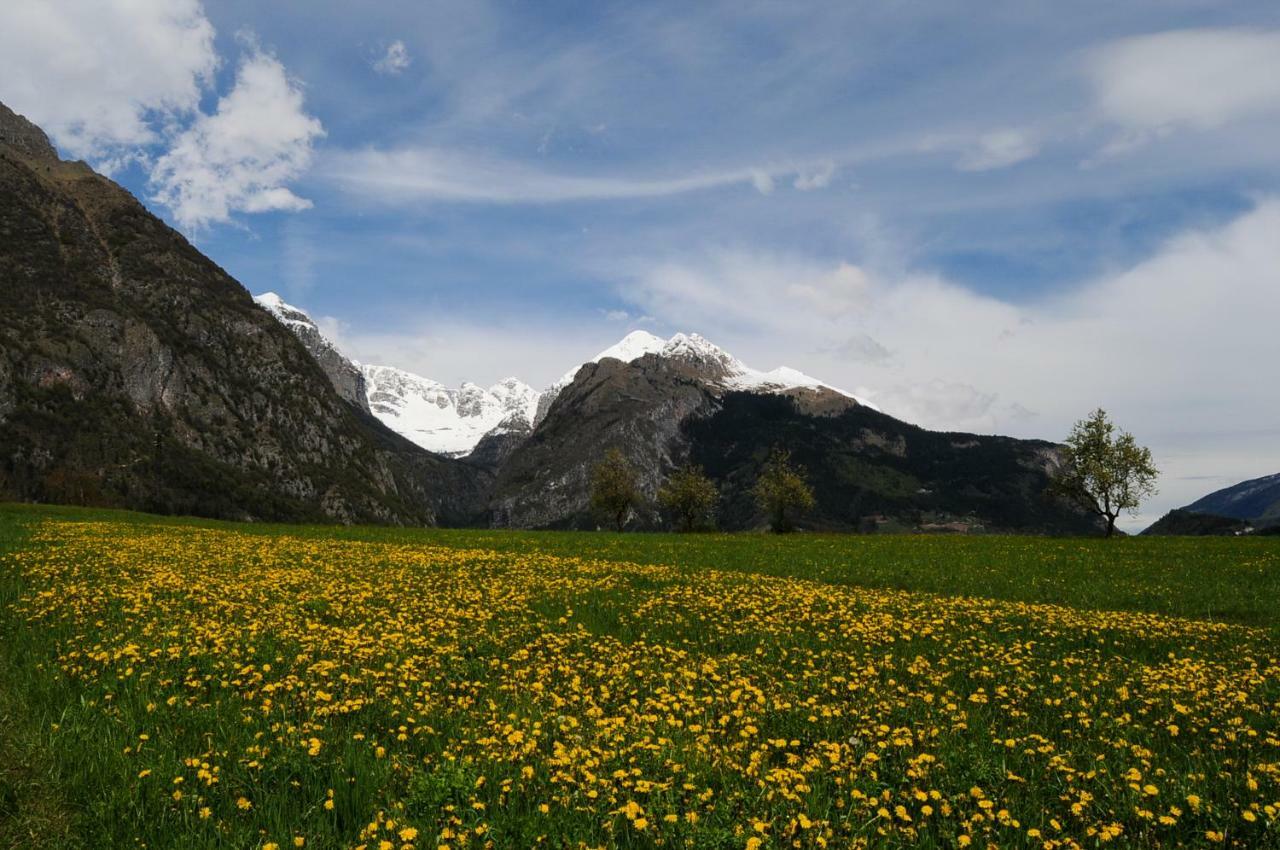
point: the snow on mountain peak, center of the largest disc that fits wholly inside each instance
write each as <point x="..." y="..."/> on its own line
<point x="632" y="347"/>
<point x="453" y="421"/>
<point x="283" y="311"/>
<point x="718" y="367"/>
<point x="444" y="420"/>
<point x="270" y="300"/>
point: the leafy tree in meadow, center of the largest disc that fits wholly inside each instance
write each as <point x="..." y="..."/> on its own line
<point x="1104" y="470"/>
<point x="614" y="491"/>
<point x="782" y="492"/>
<point x="690" y="497"/>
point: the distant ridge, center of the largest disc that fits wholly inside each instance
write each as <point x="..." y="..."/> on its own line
<point x="1248" y="507"/>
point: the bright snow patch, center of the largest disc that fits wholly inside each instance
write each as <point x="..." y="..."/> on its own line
<point x="443" y="420"/>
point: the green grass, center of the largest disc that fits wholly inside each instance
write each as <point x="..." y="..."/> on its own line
<point x="1227" y="579"/>
<point x="844" y="637"/>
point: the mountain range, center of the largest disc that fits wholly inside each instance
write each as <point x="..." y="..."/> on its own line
<point x="1248" y="507"/>
<point x="454" y="421"/>
<point x="135" y="372"/>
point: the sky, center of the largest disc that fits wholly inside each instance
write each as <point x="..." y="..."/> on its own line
<point x="985" y="217"/>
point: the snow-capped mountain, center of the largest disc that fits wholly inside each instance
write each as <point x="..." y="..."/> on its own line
<point x="444" y="420"/>
<point x="453" y="421"/>
<point x="706" y="361"/>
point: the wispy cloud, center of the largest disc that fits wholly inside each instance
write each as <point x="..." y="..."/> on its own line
<point x="423" y="174"/>
<point x="999" y="149"/>
<point x="394" y="59"/>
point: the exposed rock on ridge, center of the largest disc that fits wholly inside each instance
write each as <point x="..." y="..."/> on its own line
<point x="344" y="374"/>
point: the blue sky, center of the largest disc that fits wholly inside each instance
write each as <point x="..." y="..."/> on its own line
<point x="984" y="216"/>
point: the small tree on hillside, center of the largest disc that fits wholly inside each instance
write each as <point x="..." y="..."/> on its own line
<point x="614" y="491"/>
<point x="782" y="492"/>
<point x="689" y="496"/>
<point x="1103" y="470"/>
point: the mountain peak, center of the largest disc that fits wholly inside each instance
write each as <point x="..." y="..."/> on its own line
<point x="271" y="300"/>
<point x="21" y="135"/>
<point x="633" y="345"/>
<point x="697" y="347"/>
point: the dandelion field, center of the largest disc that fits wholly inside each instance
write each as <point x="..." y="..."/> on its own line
<point x="181" y="684"/>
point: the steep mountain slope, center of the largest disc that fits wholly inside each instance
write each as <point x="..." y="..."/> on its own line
<point x="636" y="406"/>
<point x="637" y="396"/>
<point x="1183" y="522"/>
<point x="1256" y="500"/>
<point x="136" y="372"/>
<point x="870" y="471"/>
<point x="343" y="373"/>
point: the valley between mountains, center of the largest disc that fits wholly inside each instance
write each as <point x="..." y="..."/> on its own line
<point x="135" y="372"/>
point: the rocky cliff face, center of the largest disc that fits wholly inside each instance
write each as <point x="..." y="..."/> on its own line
<point x="136" y="372"/>
<point x="636" y="406"/>
<point x="345" y="375"/>
<point x="24" y="138"/>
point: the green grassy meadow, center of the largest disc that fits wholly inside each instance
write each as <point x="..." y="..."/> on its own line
<point x="184" y="683"/>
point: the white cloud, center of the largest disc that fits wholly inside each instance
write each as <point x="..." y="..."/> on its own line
<point x="999" y="149"/>
<point x="101" y="75"/>
<point x="748" y="291"/>
<point x="239" y="158"/>
<point x="1198" y="78"/>
<point x="426" y="174"/>
<point x="394" y="60"/>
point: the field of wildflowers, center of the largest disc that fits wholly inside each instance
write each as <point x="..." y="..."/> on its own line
<point x="196" y="685"/>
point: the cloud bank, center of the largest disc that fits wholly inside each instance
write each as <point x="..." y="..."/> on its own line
<point x="1195" y="79"/>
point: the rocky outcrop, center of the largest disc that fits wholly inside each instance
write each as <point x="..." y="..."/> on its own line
<point x="637" y="407"/>
<point x="22" y="137"/>
<point x="345" y="375"/>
